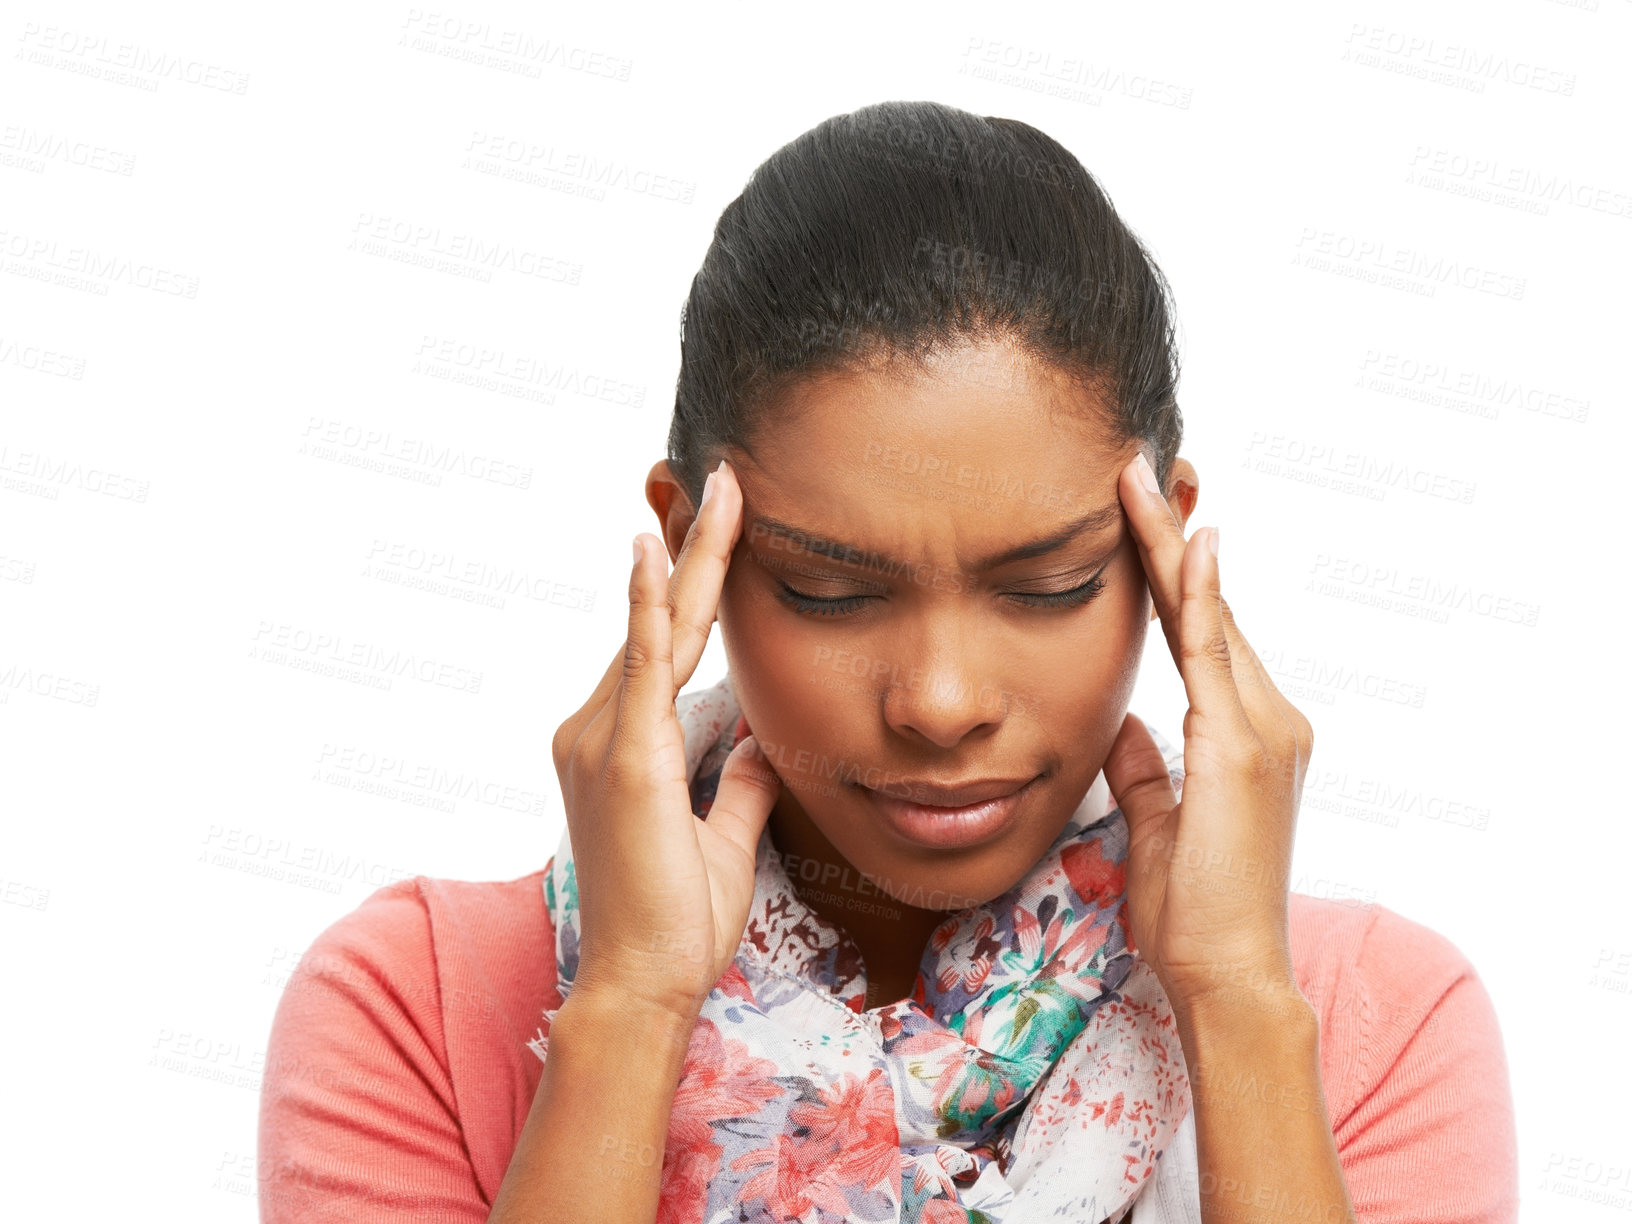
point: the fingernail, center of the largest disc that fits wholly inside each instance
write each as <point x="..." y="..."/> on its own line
<point x="708" y="490"/>
<point x="1212" y="540"/>
<point x="640" y="550"/>
<point x="1146" y="476"/>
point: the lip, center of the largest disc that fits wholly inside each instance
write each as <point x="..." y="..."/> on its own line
<point x="930" y="793"/>
<point x="985" y="809"/>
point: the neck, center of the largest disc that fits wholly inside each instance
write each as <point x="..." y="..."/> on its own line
<point x="890" y="936"/>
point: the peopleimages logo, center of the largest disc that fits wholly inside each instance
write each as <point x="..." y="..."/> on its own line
<point x="1449" y="63"/>
<point x="479" y="42"/>
<point x="83" y="268"/>
<point x="1370" y="258"/>
<point x="71" y="474"/>
<point x="96" y="55"/>
<point x="325" y="438"/>
<point x="331" y="654"/>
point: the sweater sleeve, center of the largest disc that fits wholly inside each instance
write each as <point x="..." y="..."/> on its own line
<point x="1431" y="1138"/>
<point x="358" y="1121"/>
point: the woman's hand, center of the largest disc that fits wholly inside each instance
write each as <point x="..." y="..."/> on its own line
<point x="663" y="896"/>
<point x="1207" y="878"/>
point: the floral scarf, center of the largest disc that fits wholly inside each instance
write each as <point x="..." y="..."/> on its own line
<point x="1035" y="1072"/>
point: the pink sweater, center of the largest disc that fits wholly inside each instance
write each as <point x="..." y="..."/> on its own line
<point x="398" y="1074"/>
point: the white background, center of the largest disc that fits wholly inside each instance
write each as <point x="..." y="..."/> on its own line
<point x="189" y="295"/>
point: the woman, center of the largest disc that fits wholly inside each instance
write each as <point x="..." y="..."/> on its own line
<point x="907" y="917"/>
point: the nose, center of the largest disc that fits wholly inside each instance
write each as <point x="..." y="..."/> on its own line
<point x="942" y="703"/>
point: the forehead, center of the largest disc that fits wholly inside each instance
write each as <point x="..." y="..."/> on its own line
<point x="982" y="449"/>
<point x="980" y="417"/>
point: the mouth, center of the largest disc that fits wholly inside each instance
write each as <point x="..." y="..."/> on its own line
<point x="977" y="811"/>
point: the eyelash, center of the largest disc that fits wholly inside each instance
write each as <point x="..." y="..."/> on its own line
<point x="811" y="605"/>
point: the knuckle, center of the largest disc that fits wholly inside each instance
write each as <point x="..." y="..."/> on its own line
<point x="623" y="763"/>
<point x="1282" y="766"/>
<point x="753" y="770"/>
<point x="1304" y="731"/>
<point x="1291" y="740"/>
<point x="636" y="659"/>
<point x="1262" y="765"/>
<point x="1256" y="759"/>
<point x="1211" y="645"/>
<point x="1210" y="651"/>
<point x="690" y="629"/>
<point x="566" y="735"/>
<point x="614" y="771"/>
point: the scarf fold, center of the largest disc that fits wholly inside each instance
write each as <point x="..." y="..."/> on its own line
<point x="1035" y="1073"/>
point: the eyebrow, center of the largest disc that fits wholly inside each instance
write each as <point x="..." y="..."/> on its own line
<point x="810" y="541"/>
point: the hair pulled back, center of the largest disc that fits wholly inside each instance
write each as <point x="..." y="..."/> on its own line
<point x="898" y="229"/>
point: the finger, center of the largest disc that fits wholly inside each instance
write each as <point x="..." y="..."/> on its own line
<point x="602" y="706"/>
<point x="1250" y="676"/>
<point x="1266" y="706"/>
<point x="604" y="696"/>
<point x="647" y="697"/>
<point x="1260" y="692"/>
<point x="1142" y="787"/>
<point x="569" y="740"/>
<point x="1159" y="537"/>
<point x="1204" y="648"/>
<point x="699" y="570"/>
<point x="689" y="638"/>
<point x="747" y="792"/>
<point x="1183" y="579"/>
<point x="1137" y="774"/>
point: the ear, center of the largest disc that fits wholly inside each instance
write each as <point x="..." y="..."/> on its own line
<point x="1184" y="487"/>
<point x="672" y="504"/>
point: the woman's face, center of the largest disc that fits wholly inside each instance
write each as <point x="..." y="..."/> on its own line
<point x="909" y="654"/>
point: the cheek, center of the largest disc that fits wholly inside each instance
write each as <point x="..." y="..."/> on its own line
<point x="762" y="650"/>
<point x="1086" y="676"/>
<point x="1122" y="634"/>
<point x="762" y="636"/>
<point x="736" y="625"/>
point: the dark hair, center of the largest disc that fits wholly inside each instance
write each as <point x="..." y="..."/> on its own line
<point x="883" y="234"/>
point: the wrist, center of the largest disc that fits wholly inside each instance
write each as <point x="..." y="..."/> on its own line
<point x="627" y="1017"/>
<point x="1261" y="984"/>
<point x="1247" y="1021"/>
<point x="1247" y="1065"/>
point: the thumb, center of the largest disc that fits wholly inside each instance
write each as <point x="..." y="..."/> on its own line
<point x="747" y="792"/>
<point x="1137" y="775"/>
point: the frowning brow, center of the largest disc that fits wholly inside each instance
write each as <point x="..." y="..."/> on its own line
<point x="810" y="541"/>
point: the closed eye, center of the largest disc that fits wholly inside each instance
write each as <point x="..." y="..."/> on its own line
<point x="844" y="605"/>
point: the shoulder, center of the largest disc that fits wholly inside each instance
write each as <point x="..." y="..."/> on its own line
<point x="405" y="1026"/>
<point x="1343" y="945"/>
<point x="407" y="937"/>
<point x="491" y="934"/>
<point x="1374" y="978"/>
<point x="449" y="953"/>
<point x="1412" y="1061"/>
